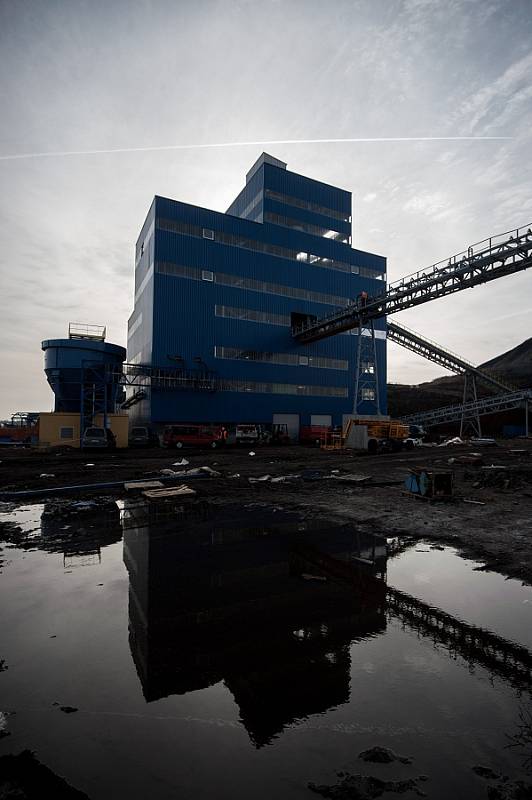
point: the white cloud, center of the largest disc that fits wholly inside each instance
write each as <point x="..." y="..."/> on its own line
<point x="431" y="204"/>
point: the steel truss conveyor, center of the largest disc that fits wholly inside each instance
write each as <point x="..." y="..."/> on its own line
<point x="444" y="358"/>
<point x="492" y="258"/>
<point x="486" y="405"/>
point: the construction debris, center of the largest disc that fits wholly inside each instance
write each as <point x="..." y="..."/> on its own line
<point x="350" y="478"/>
<point x="430" y="484"/>
<point x="468" y="458"/>
<point x="451" y="442"/>
<point x="169" y="492"/>
<point x="139" y="486"/>
<point x="195" y="472"/>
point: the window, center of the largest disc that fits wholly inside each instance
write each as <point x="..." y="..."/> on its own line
<point x="134" y="325"/>
<point x="286" y="359"/>
<point x="251" y="315"/>
<point x="252" y="284"/>
<point x="299" y="320"/>
<point x="250" y="206"/>
<point x="308" y="204"/>
<point x="207" y="275"/>
<point x="145" y="282"/>
<point x="305" y="227"/>
<point x="367" y="394"/>
<point x="283" y="388"/>
<point x="66" y="433"/>
<point x="237" y="240"/>
<point x="368" y="367"/>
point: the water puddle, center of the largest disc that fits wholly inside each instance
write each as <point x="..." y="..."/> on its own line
<point x="249" y="653"/>
<point x="443" y="579"/>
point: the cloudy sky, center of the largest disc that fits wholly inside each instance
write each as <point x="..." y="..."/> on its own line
<point x="85" y="75"/>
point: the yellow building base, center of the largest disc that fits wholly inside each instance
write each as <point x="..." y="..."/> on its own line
<point x="58" y="429"/>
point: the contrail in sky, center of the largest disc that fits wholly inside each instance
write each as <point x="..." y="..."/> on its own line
<point x="20" y="156"/>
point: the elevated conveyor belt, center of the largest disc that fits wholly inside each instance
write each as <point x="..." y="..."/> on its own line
<point x="486" y="405"/>
<point x="444" y="358"/>
<point x="492" y="258"/>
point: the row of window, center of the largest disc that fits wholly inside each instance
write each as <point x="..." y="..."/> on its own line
<point x="287" y="359"/>
<point x="305" y="227"/>
<point x="251" y="284"/>
<point x="144" y="283"/>
<point x="271" y="318"/>
<point x="307" y="204"/>
<point x="134" y="325"/>
<point x="174" y="226"/>
<point x="283" y="388"/>
<point x="251" y="205"/>
<point x="250" y="315"/>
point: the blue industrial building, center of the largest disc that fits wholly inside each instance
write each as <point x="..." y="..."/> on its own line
<point x="218" y="293"/>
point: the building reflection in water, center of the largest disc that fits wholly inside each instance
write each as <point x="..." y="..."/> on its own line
<point x="80" y="531"/>
<point x="242" y="599"/>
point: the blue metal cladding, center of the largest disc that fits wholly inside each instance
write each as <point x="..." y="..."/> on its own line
<point x="185" y="308"/>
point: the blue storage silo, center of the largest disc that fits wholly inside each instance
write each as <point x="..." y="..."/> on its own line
<point x="70" y="363"/>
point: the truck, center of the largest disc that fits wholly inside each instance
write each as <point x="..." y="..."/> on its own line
<point x="383" y="435"/>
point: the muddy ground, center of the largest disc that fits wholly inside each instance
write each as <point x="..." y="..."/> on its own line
<point x="496" y="528"/>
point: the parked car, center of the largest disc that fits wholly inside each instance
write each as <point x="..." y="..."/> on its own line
<point x="94" y="438"/>
<point x="251" y="433"/>
<point x="143" y="437"/>
<point x="212" y="436"/>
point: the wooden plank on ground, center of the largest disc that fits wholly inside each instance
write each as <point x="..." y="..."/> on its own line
<point x="131" y="486"/>
<point x="169" y="492"/>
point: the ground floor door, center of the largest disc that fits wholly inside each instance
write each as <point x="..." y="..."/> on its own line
<point x="291" y="421"/>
